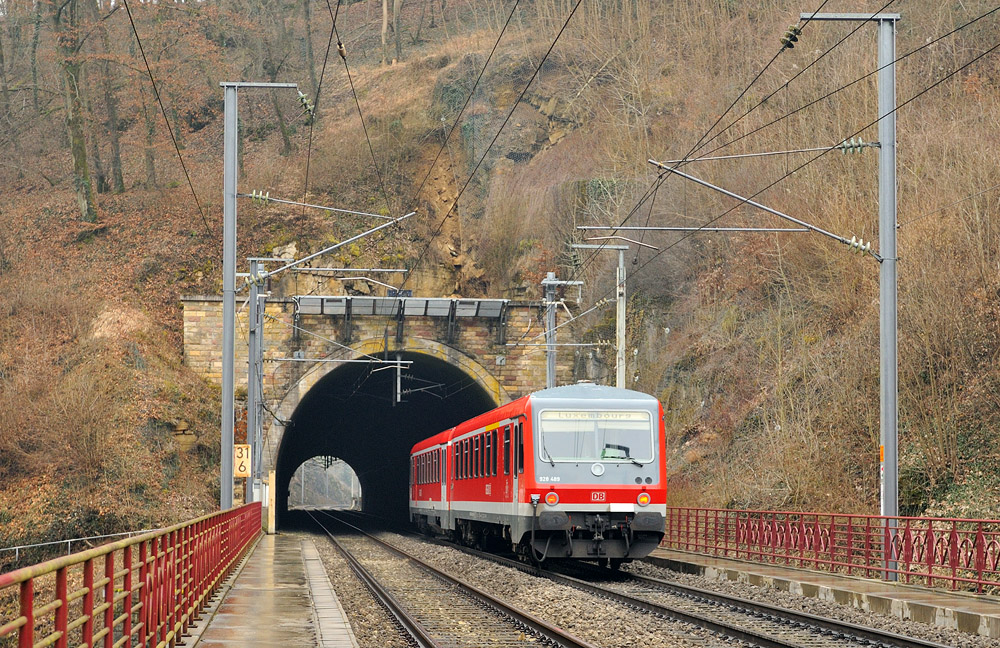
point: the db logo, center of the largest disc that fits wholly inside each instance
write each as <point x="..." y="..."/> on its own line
<point x="598" y="496"/>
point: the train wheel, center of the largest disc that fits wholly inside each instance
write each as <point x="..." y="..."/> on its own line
<point x="602" y="563"/>
<point x="616" y="563"/>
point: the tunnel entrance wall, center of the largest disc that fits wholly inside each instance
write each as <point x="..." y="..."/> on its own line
<point x="347" y="411"/>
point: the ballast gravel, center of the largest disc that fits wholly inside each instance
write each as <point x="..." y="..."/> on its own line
<point x="818" y="607"/>
<point x="598" y="621"/>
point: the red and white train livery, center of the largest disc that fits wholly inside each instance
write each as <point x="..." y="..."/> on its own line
<point x="570" y="472"/>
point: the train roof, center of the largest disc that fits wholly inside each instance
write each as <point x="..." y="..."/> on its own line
<point x="554" y="397"/>
<point x="589" y="391"/>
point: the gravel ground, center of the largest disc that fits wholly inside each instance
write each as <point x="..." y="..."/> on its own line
<point x="781" y="598"/>
<point x="595" y="620"/>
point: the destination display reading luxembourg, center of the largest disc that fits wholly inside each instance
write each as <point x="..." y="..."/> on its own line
<point x="585" y="415"/>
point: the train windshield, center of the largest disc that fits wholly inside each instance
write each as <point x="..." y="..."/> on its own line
<point x="588" y="435"/>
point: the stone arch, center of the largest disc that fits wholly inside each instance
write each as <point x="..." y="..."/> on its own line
<point x="307" y="417"/>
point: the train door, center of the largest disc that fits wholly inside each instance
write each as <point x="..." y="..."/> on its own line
<point x="443" y="480"/>
<point x="509" y="480"/>
<point x="516" y="464"/>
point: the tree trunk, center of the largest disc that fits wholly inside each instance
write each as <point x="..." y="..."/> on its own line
<point x="36" y="34"/>
<point x="101" y="178"/>
<point x="286" y="141"/>
<point x="68" y="46"/>
<point x="111" y="108"/>
<point x="420" y="25"/>
<point x="385" y="30"/>
<point x="310" y="61"/>
<point x="149" y="154"/>
<point x="397" y="8"/>
<point x="4" y="88"/>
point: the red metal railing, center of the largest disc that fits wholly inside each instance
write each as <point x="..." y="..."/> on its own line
<point x="952" y="552"/>
<point x="150" y="589"/>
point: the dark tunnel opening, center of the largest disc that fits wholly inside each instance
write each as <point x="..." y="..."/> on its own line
<point x="350" y="414"/>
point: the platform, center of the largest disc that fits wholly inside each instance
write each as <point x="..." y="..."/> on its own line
<point x="974" y="614"/>
<point x="280" y="598"/>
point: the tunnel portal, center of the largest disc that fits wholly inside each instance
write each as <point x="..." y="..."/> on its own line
<point x="350" y="413"/>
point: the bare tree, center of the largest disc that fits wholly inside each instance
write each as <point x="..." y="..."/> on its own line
<point x="66" y="19"/>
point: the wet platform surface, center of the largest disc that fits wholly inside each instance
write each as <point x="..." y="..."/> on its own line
<point x="281" y="598"/>
<point x="971" y="613"/>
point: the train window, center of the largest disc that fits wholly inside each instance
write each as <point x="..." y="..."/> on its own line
<point x="454" y="461"/>
<point x="506" y="449"/>
<point x="488" y="463"/>
<point x="442" y="468"/>
<point x="493" y="455"/>
<point x="477" y="455"/>
<point x="482" y="455"/>
<point x="520" y="448"/>
<point x="467" y="452"/>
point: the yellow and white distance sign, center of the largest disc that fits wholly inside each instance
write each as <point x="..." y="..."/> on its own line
<point x="241" y="460"/>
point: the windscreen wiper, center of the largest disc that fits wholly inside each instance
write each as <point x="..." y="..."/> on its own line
<point x="546" y="451"/>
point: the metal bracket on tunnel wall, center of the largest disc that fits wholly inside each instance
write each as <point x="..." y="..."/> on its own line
<point x="452" y="322"/>
<point x="347" y="330"/>
<point x="502" y="326"/>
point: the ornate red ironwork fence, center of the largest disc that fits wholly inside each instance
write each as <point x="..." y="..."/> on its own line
<point x="150" y="590"/>
<point x="952" y="552"/>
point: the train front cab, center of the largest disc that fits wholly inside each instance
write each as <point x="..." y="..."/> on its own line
<point x="595" y="482"/>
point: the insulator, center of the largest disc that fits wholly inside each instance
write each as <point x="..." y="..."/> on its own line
<point x="260" y="198"/>
<point x="854" y="146"/>
<point x="791" y="36"/>
<point x="307" y="106"/>
<point x="342" y="50"/>
<point x="859" y="245"/>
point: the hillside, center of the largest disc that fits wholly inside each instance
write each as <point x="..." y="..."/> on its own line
<point x="762" y="347"/>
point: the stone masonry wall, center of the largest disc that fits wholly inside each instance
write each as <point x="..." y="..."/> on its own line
<point x="518" y="370"/>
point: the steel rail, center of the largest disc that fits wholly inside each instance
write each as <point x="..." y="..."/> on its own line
<point x="413" y="627"/>
<point x="822" y="625"/>
<point x="832" y="625"/>
<point x="532" y="622"/>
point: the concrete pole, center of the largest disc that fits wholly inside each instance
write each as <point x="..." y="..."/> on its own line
<point x="228" y="295"/>
<point x="620" y="323"/>
<point x="888" y="365"/>
<point x="550" y="330"/>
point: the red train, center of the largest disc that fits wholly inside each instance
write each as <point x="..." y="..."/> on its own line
<point x="570" y="472"/>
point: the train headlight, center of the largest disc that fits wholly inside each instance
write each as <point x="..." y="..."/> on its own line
<point x="644" y="499"/>
<point x="552" y="498"/>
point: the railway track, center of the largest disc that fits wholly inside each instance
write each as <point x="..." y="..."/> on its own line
<point x="755" y="623"/>
<point x="749" y="622"/>
<point x="434" y="608"/>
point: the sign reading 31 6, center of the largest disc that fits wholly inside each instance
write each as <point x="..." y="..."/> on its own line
<point x="241" y="460"/>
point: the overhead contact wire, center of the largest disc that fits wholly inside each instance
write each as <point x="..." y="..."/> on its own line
<point x="852" y="83"/>
<point x="163" y="111"/>
<point x="784" y="86"/>
<point x="514" y="106"/>
<point x="319" y="89"/>
<point x="811" y="160"/>
<point x="651" y="191"/>
<point x="378" y="174"/>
